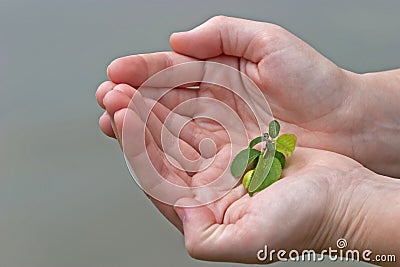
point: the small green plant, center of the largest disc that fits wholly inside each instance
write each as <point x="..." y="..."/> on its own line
<point x="266" y="165"/>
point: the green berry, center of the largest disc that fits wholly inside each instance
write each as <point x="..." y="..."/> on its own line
<point x="247" y="178"/>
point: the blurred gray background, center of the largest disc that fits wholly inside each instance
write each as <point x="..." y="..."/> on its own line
<point x="66" y="196"/>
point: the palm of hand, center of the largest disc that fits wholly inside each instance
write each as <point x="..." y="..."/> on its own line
<point x="307" y="93"/>
<point x="285" y="215"/>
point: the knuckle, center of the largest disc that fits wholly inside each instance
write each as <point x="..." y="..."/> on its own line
<point x="220" y="19"/>
<point x="275" y="27"/>
<point x="273" y="38"/>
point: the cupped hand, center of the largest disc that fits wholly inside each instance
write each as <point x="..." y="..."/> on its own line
<point x="316" y="203"/>
<point x="303" y="210"/>
<point x="308" y="94"/>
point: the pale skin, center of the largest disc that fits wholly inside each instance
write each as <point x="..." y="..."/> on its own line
<point x="322" y="196"/>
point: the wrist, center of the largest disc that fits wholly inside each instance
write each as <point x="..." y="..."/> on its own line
<point x="373" y="112"/>
<point x="366" y="213"/>
<point x="378" y="231"/>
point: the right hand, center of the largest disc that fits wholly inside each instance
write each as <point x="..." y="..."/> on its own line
<point x="308" y="94"/>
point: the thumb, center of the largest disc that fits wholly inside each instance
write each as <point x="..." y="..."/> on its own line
<point x="196" y="221"/>
<point x="225" y="35"/>
<point x="205" y="238"/>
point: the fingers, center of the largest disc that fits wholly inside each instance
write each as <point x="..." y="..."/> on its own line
<point x="105" y="125"/>
<point x="181" y="154"/>
<point x="225" y="35"/>
<point x="105" y="120"/>
<point x="116" y="99"/>
<point x="102" y="90"/>
<point x="142" y="152"/>
<point x="167" y="136"/>
<point x="170" y="98"/>
<point x="136" y="69"/>
<point x="181" y="126"/>
<point x="219" y="35"/>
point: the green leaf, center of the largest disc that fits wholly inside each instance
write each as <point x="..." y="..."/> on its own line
<point x="254" y="154"/>
<point x="261" y="171"/>
<point x="281" y="158"/>
<point x="256" y="140"/>
<point x="274" y="128"/>
<point x="286" y="144"/>
<point x="273" y="175"/>
<point x="239" y="163"/>
<point x="242" y="160"/>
